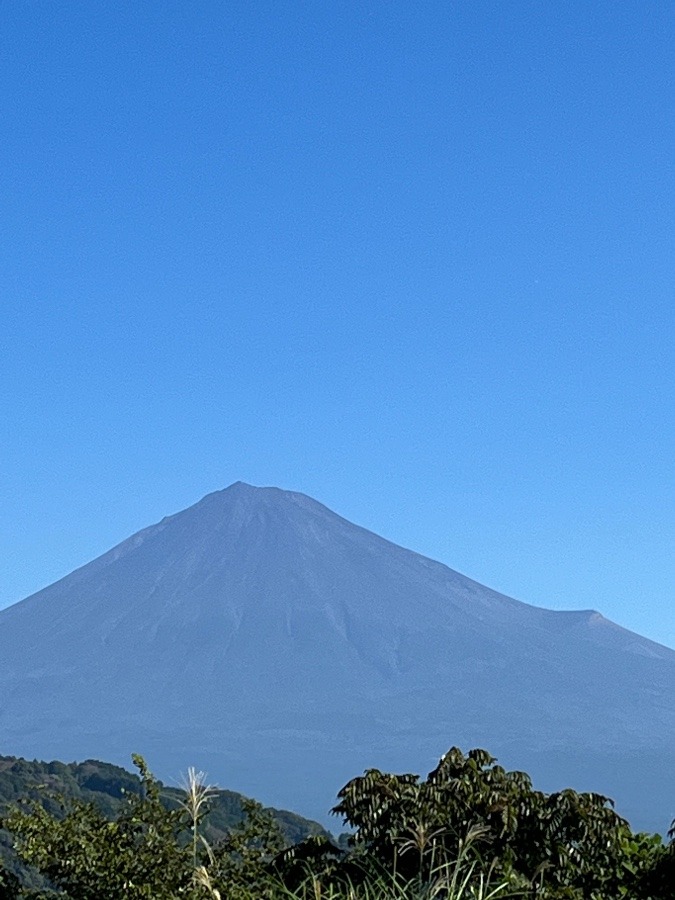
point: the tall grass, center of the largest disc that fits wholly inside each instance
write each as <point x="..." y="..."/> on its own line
<point x="195" y="803"/>
<point x="446" y="885"/>
<point x="462" y="879"/>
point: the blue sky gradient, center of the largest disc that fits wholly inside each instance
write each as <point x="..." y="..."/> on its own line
<point x="415" y="262"/>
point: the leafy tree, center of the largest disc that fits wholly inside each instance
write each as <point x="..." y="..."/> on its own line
<point x="566" y="844"/>
<point x="150" y="850"/>
<point x="136" y="856"/>
<point x="244" y="861"/>
<point x="315" y="860"/>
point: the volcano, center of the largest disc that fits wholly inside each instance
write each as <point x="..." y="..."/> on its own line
<point x="263" y="638"/>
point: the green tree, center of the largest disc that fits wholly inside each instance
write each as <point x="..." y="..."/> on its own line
<point x="244" y="862"/>
<point x="149" y="850"/>
<point x="566" y="844"/>
<point x="138" y="855"/>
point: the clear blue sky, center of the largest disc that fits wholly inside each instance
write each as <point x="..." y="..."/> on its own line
<point x="415" y="260"/>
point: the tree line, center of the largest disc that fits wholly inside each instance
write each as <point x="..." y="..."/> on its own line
<point x="469" y="829"/>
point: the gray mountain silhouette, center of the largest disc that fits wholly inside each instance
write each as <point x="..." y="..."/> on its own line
<point x="283" y="649"/>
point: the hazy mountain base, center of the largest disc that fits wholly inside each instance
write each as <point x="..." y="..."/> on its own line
<point x="252" y="759"/>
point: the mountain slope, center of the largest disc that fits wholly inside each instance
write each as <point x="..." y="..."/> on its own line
<point x="266" y="639"/>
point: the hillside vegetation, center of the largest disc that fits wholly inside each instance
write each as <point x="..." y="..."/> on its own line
<point x="469" y="829"/>
<point x="57" y="787"/>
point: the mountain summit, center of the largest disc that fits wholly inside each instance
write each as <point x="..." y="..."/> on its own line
<point x="262" y="637"/>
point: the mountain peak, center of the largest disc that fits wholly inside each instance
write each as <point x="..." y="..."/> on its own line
<point x="254" y="493"/>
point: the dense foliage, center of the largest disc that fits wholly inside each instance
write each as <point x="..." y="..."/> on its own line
<point x="565" y="844"/>
<point x="57" y="787"/>
<point x="470" y="829"/>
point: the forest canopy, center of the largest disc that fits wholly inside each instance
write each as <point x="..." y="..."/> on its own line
<point x="93" y="831"/>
